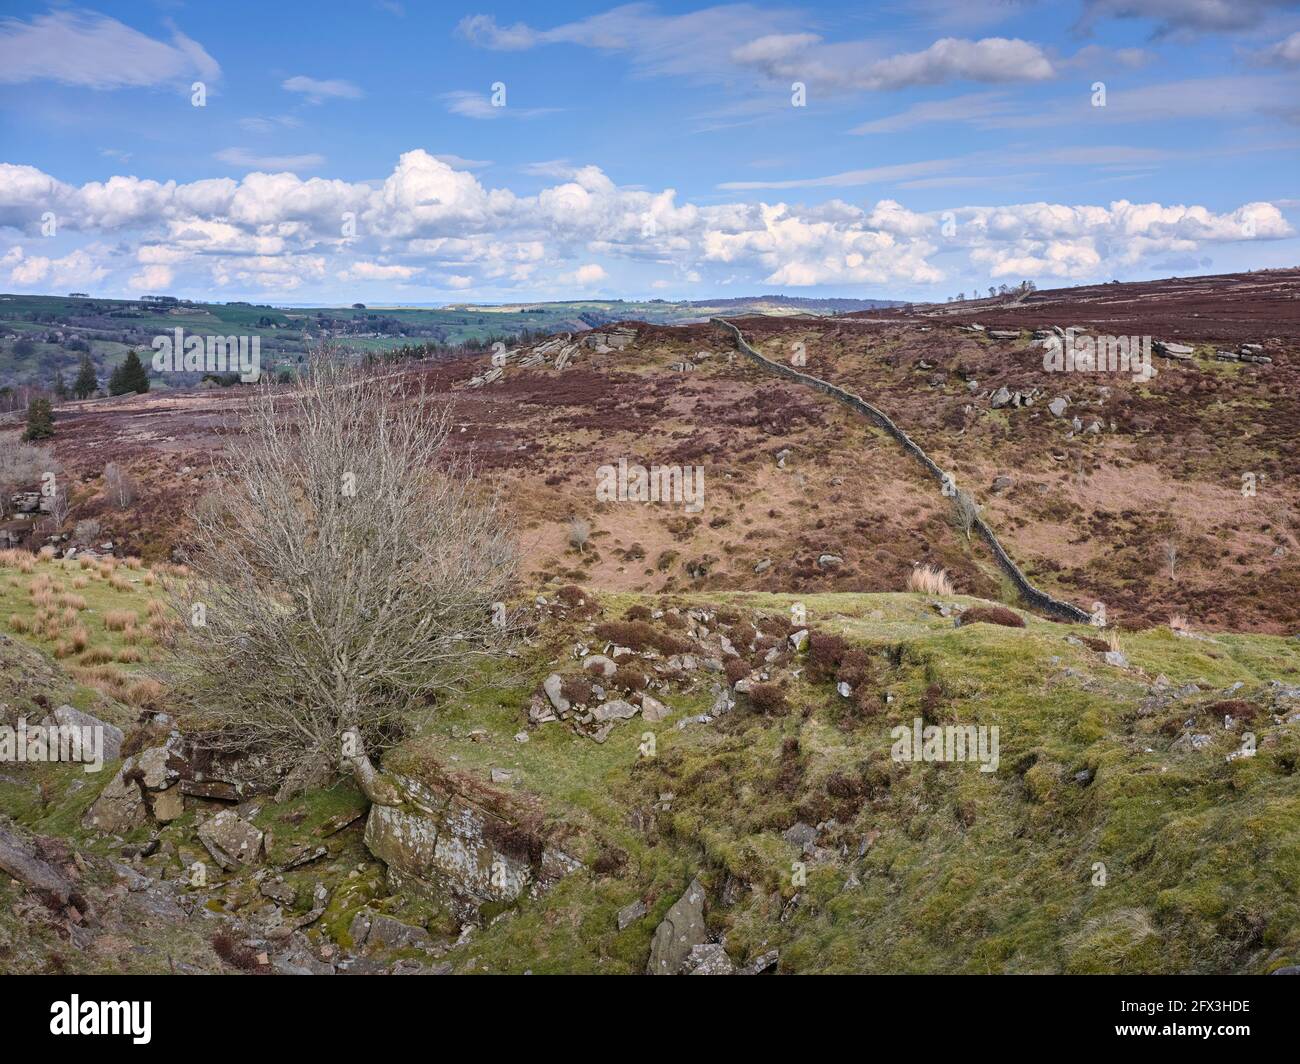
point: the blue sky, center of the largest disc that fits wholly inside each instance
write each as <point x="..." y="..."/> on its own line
<point x="353" y="151"/>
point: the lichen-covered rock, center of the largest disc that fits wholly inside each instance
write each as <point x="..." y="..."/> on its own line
<point x="231" y="840"/>
<point x="379" y="932"/>
<point x="709" y="959"/>
<point x="120" y="806"/>
<point x="462" y="844"/>
<point x="680" y="931"/>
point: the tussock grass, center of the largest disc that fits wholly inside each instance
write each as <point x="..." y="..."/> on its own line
<point x="120" y="620"/>
<point x="928" y="580"/>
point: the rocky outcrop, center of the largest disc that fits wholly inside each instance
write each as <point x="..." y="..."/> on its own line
<point x="681" y="930"/>
<point x="463" y="844"/>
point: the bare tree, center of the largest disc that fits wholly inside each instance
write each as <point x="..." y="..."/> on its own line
<point x="343" y="576"/>
<point x="22" y="466"/>
<point x="965" y="512"/>
<point x="579" y="534"/>
<point x="119" y="486"/>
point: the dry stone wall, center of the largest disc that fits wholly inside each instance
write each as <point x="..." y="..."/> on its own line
<point x="1036" y="599"/>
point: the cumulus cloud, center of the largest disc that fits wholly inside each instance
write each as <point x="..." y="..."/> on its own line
<point x="97" y="52"/>
<point x="429" y="224"/>
<point x="33" y="271"/>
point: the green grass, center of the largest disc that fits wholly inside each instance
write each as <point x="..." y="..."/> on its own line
<point x="944" y="868"/>
<point x="969" y="872"/>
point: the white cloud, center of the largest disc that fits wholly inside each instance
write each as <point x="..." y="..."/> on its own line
<point x="431" y="225"/>
<point x="152" y="278"/>
<point x="374" y="271"/>
<point x="317" y="90"/>
<point x="39" y="271"/>
<point x="242" y="157"/>
<point x="588" y="274"/>
<point x="804" y="57"/>
<point x="470" y="104"/>
<point x="458" y="162"/>
<point x="1285" y="53"/>
<point x="98" y="52"/>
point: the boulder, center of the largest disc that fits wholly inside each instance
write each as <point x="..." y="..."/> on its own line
<point x="120" y="806"/>
<point x="70" y="717"/>
<point x="653" y="711"/>
<point x="297" y="959"/>
<point x="681" y="930"/>
<point x="231" y="840"/>
<point x="1057" y="406"/>
<point x="594" y="662"/>
<point x="802" y="836"/>
<point x="379" y="932"/>
<point x="19" y="862"/>
<point x="1002" y="397"/>
<point x="167" y="805"/>
<point x="617" y="709"/>
<point x="829" y="561"/>
<point x="553" y="685"/>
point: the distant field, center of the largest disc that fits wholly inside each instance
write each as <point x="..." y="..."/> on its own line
<point x="111" y="327"/>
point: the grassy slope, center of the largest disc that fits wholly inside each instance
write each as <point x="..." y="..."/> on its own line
<point x="968" y="872"/>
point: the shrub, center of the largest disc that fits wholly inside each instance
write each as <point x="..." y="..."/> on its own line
<point x="825" y="652"/>
<point x="737" y="669"/>
<point x="576" y="689"/>
<point x="769" y="700"/>
<point x="638" y="635"/>
<point x="637" y="613"/>
<point x="855" y="668"/>
<point x="992" y="615"/>
<point x="629" y="678"/>
<point x="1234" y="708"/>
